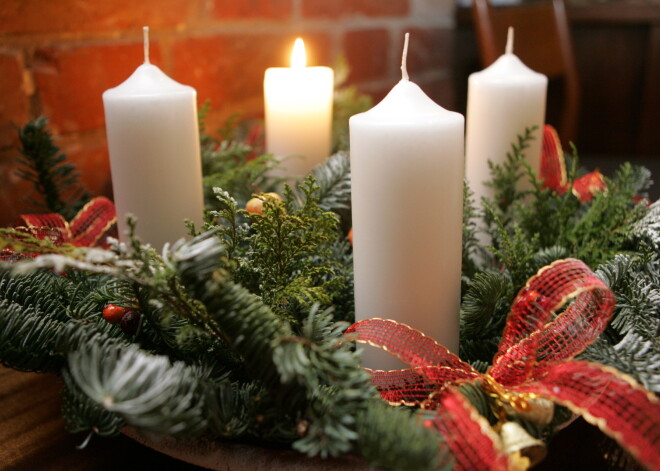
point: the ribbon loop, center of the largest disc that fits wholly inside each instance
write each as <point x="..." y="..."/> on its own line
<point x="529" y="339"/>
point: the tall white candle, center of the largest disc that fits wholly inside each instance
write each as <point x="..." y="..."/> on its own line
<point x="153" y="139"/>
<point x="503" y="100"/>
<point x="298" y="108"/>
<point x="407" y="186"/>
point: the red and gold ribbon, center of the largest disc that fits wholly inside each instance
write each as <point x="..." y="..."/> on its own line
<point x="553" y="170"/>
<point x="90" y="227"/>
<point x="535" y="358"/>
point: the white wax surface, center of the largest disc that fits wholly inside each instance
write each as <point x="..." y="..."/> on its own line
<point x="298" y="108"/>
<point x="407" y="187"/>
<point x="503" y="100"/>
<point x="153" y="139"/>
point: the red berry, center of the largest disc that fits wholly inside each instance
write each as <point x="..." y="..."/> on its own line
<point x="112" y="313"/>
<point x="130" y="322"/>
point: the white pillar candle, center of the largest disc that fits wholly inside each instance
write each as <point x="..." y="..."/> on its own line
<point x="407" y="187"/>
<point x="153" y="139"/>
<point x="503" y="100"/>
<point x="298" y="108"/>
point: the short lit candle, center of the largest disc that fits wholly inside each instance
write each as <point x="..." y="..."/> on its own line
<point x="298" y="106"/>
<point x="153" y="139"/>
<point x="407" y="187"/>
<point x="503" y="100"/>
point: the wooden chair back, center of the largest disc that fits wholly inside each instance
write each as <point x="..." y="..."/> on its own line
<point x="542" y="41"/>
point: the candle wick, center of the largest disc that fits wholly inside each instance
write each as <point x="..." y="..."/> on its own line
<point x="509" y="41"/>
<point x="404" y="69"/>
<point x="145" y="31"/>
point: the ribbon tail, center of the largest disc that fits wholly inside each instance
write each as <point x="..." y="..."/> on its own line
<point x="608" y="399"/>
<point x="412" y="387"/>
<point x="553" y="165"/>
<point x="469" y="435"/>
<point x="409" y="345"/>
<point x="93" y="222"/>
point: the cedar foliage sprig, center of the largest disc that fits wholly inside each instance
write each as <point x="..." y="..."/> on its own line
<point x="285" y="254"/>
<point x="54" y="179"/>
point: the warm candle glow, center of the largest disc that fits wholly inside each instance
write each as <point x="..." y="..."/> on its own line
<point x="298" y="109"/>
<point x="298" y="56"/>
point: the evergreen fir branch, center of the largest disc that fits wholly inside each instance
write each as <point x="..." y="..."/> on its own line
<point x="333" y="178"/>
<point x="636" y="285"/>
<point x="548" y="255"/>
<point x="27" y="339"/>
<point x="648" y="227"/>
<point x="146" y="391"/>
<point x="232" y="408"/>
<point x="514" y="248"/>
<point x="238" y="316"/>
<point x="470" y="241"/>
<point x="486" y="304"/>
<point x="41" y="291"/>
<point x="394" y="438"/>
<point x="81" y="414"/>
<point x="505" y="176"/>
<point x="633" y="355"/>
<point x="337" y="388"/>
<point x="43" y="166"/>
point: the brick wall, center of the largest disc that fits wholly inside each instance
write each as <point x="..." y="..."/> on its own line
<point x="57" y="58"/>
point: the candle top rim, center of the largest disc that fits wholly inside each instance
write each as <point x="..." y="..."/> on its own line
<point x="508" y="66"/>
<point x="148" y="80"/>
<point x="407" y="102"/>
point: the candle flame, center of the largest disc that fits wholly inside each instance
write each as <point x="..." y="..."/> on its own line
<point x="298" y="56"/>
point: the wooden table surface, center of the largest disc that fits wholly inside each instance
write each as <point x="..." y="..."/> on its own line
<point x="33" y="437"/>
<point x="33" y="434"/>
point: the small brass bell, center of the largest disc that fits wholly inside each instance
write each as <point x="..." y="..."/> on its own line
<point x="516" y="441"/>
<point x="539" y="410"/>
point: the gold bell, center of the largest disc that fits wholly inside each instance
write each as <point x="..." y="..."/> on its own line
<point x="539" y="410"/>
<point x="516" y="441"/>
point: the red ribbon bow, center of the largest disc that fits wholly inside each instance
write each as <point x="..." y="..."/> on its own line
<point x="90" y="227"/>
<point x="534" y="359"/>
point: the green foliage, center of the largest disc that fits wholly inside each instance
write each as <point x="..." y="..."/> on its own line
<point x="348" y="101"/>
<point x="505" y="177"/>
<point x="394" y="438"/>
<point x="285" y="256"/>
<point x="483" y="314"/>
<point x="232" y="164"/>
<point x="470" y="241"/>
<point x="239" y="334"/>
<point x="541" y="218"/>
<point x="54" y="180"/>
<point x="635" y="281"/>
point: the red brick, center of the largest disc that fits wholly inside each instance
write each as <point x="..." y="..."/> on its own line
<point x="429" y="49"/>
<point x="347" y="8"/>
<point x="39" y="16"/>
<point x="248" y="9"/>
<point x="12" y="189"/>
<point x="440" y="90"/>
<point x="14" y="101"/>
<point x="71" y="80"/>
<point x="230" y="69"/>
<point x="93" y="163"/>
<point x="367" y="52"/>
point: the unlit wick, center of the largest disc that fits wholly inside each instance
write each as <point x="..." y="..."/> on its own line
<point x="145" y="31"/>
<point x="404" y="69"/>
<point x="509" y="41"/>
